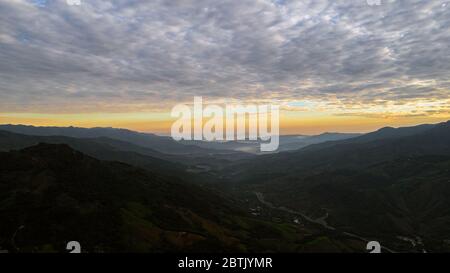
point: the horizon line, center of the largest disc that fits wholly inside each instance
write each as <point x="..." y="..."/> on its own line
<point x="168" y="135"/>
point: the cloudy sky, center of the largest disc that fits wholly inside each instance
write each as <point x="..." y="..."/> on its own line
<point x="332" y="65"/>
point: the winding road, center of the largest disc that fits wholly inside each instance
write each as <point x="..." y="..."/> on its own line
<point x="320" y="221"/>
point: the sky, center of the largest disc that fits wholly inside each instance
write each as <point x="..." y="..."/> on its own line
<point x="341" y="66"/>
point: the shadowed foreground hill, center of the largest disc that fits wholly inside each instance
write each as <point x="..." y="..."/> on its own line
<point x="58" y="194"/>
<point x="52" y="194"/>
<point x="407" y="197"/>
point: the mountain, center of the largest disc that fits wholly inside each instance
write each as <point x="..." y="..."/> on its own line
<point x="351" y="153"/>
<point x="101" y="148"/>
<point x="381" y="134"/>
<point x="389" y="132"/>
<point x="51" y="194"/>
<point x="230" y="150"/>
<point x="161" y="144"/>
<point x="291" y="143"/>
<point x="403" y="198"/>
<point x="390" y="184"/>
<point x="106" y="148"/>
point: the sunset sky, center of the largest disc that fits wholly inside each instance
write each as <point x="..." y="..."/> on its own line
<point x="341" y="66"/>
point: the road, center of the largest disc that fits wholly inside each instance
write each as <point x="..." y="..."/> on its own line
<point x="320" y="221"/>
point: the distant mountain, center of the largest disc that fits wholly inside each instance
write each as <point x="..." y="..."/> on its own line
<point x="381" y="134"/>
<point x="389" y="132"/>
<point x="100" y="148"/>
<point x="122" y="145"/>
<point x="159" y="143"/>
<point x="230" y="150"/>
<point x="350" y="153"/>
<point x="292" y="143"/>
<point x="51" y="194"/>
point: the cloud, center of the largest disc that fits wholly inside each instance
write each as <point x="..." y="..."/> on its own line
<point x="129" y="54"/>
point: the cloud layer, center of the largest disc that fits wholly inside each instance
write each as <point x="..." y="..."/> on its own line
<point x="129" y="54"/>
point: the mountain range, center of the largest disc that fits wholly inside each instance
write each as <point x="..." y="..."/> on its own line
<point x="51" y="194"/>
<point x="389" y="184"/>
<point x="332" y="193"/>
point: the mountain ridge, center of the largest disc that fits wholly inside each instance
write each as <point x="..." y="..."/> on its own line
<point x="51" y="194"/>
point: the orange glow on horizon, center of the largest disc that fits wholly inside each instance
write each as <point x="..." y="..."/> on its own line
<point x="160" y="123"/>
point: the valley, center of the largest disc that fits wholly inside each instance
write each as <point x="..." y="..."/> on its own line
<point x="392" y="187"/>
